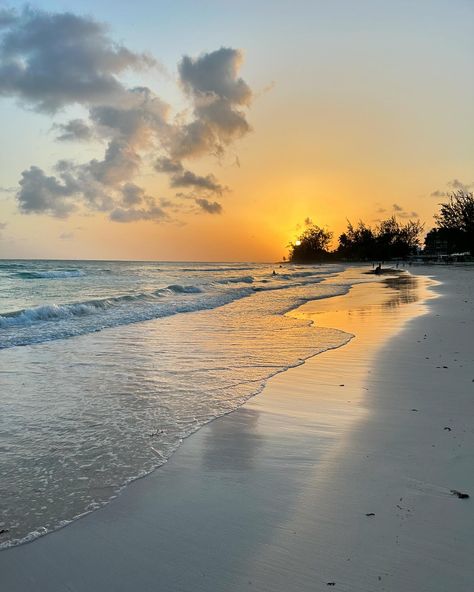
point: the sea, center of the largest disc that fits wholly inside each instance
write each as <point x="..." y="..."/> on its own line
<point x="106" y="366"/>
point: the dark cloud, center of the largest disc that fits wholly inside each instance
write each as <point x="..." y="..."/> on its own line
<point x="190" y="179"/>
<point x="132" y="194"/>
<point x="75" y="129"/>
<point x="153" y="213"/>
<point x="52" y="60"/>
<point x="208" y="206"/>
<point x="438" y="193"/>
<point x="215" y="74"/>
<point x="410" y="215"/>
<point x="136" y="205"/>
<point x="168" y="165"/>
<point x="120" y="163"/>
<point x="397" y="208"/>
<point x="181" y="177"/>
<point x="41" y="194"/>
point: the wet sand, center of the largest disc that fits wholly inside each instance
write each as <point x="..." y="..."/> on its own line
<point x="338" y="473"/>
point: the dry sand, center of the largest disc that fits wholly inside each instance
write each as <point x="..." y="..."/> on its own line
<point x="337" y="476"/>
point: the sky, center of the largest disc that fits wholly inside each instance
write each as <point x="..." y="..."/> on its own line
<point x="183" y="130"/>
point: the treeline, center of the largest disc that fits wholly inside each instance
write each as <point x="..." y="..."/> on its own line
<point x="454" y="231"/>
<point x="392" y="239"/>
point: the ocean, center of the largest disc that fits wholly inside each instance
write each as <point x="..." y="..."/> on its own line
<point x="106" y="366"/>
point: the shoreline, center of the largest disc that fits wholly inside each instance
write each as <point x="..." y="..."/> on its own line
<point x="268" y="496"/>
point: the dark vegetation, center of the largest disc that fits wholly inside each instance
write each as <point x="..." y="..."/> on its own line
<point x="454" y="231"/>
<point x="392" y="239"/>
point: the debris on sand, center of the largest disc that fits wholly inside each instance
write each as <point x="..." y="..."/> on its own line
<point x="459" y="494"/>
<point x="370" y="514"/>
<point x="448" y="429"/>
<point x="4" y="531"/>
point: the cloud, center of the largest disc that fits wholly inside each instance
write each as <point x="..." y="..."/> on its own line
<point x="51" y="60"/>
<point x="457" y="184"/>
<point x="168" y="165"/>
<point x="308" y="221"/>
<point x="75" y="129"/>
<point x="400" y="211"/>
<point x="132" y="194"/>
<point x="209" y="207"/>
<point x="137" y="205"/>
<point x="140" y="117"/>
<point x="190" y="179"/>
<point x="41" y="194"/>
<point x="218" y="94"/>
<point x="181" y="177"/>
<point x="7" y="16"/>
<point x="66" y="235"/>
<point x="454" y="185"/>
<point x="120" y="163"/>
<point x="153" y="212"/>
<point x="215" y="74"/>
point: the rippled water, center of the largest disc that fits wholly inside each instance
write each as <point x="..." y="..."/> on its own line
<point x="84" y="415"/>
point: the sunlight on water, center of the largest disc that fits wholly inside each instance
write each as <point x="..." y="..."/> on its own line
<point x="81" y="417"/>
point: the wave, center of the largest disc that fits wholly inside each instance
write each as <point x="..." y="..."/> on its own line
<point x="59" y="320"/>
<point x="178" y="289"/>
<point x="8" y="266"/>
<point x="299" y="274"/>
<point x="243" y="279"/>
<point x="216" y="269"/>
<point x="58" y="274"/>
<point x="50" y="312"/>
<point x="56" y="312"/>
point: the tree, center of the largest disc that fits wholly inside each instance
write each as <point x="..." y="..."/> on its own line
<point x="358" y="242"/>
<point x="396" y="240"/>
<point x="311" y="246"/>
<point x="389" y="240"/>
<point x="455" y="221"/>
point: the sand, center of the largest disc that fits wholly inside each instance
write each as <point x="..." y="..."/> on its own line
<point x="337" y="476"/>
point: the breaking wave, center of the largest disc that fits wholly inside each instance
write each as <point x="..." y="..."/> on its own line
<point x="50" y="275"/>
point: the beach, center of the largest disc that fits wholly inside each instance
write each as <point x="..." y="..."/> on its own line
<point x="338" y="475"/>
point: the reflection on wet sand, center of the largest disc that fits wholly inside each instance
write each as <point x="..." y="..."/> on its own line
<point x="405" y="289"/>
<point x="372" y="314"/>
<point x="228" y="459"/>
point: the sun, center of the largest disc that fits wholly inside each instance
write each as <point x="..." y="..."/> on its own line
<point x="298" y="243"/>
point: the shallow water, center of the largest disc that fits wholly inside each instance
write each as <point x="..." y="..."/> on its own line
<point x="83" y="416"/>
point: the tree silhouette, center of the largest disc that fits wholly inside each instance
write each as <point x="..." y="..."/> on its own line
<point x="311" y="246"/>
<point x="455" y="223"/>
<point x="388" y="240"/>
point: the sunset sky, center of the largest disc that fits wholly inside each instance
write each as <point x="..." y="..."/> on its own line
<point x="186" y="130"/>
